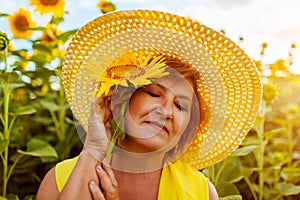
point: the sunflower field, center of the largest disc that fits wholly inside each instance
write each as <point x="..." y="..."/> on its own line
<point x="37" y="128"/>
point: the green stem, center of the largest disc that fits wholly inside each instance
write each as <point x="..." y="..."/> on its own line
<point x="278" y="197"/>
<point x="260" y="133"/>
<point x="62" y="113"/>
<point x="246" y="179"/>
<point x="6" y="133"/>
<point x="11" y="123"/>
<point x="56" y="124"/>
<point x="224" y="164"/>
<point x="110" y="149"/>
<point x="1" y="119"/>
<point x="290" y="143"/>
<point x="13" y="166"/>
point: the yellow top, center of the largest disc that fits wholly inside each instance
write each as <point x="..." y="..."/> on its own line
<point x="179" y="181"/>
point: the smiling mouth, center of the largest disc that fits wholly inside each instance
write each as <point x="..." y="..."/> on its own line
<point x="158" y="125"/>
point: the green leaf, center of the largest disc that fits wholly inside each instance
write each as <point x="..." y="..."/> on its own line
<point x="13" y="86"/>
<point x="29" y="197"/>
<point x="247" y="171"/>
<point x="40" y="58"/>
<point x="243" y="151"/>
<point x="225" y="189"/>
<point x="291" y="170"/>
<point x="231" y="197"/>
<point x="259" y="121"/>
<point x="56" y="20"/>
<point x="39" y="148"/>
<point x="3" y="145"/>
<point x="288" y="188"/>
<point x="12" y="197"/>
<point x="4" y="15"/>
<point x="48" y="159"/>
<point x="232" y="173"/>
<point x="66" y="35"/>
<point x="39" y="28"/>
<point x="52" y="106"/>
<point x="10" y="77"/>
<point x="25" y="110"/>
<point x="279" y="121"/>
<point x="2" y="198"/>
<point x="41" y="47"/>
<point x="270" y="134"/>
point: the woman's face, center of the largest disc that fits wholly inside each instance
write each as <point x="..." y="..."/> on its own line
<point x="157" y="115"/>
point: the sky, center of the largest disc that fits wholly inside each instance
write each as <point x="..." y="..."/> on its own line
<point x="273" y="21"/>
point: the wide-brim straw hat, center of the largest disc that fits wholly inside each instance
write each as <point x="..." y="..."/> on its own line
<point x="230" y="83"/>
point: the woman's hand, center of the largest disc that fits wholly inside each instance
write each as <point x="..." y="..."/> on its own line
<point x="108" y="184"/>
<point x="97" y="139"/>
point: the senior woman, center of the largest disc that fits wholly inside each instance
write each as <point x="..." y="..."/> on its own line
<point x="159" y="96"/>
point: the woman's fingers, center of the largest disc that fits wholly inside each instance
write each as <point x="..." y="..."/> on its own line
<point x="110" y="173"/>
<point x="95" y="191"/>
<point x="108" y="182"/>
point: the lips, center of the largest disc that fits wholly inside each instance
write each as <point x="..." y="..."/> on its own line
<point x="158" y="125"/>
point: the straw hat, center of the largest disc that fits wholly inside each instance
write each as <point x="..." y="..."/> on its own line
<point x="230" y="83"/>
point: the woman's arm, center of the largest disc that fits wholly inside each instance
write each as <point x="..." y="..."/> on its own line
<point x="48" y="189"/>
<point x="77" y="184"/>
<point x="94" y="150"/>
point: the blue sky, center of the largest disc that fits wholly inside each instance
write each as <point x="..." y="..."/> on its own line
<point x="272" y="21"/>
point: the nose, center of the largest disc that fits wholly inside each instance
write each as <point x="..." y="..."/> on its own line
<point x="167" y="107"/>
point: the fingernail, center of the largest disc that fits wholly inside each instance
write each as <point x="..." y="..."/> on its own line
<point x="115" y="183"/>
<point x="92" y="185"/>
<point x="99" y="168"/>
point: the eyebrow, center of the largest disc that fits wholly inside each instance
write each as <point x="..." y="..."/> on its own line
<point x="182" y="96"/>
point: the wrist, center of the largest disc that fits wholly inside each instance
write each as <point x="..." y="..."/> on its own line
<point x="89" y="154"/>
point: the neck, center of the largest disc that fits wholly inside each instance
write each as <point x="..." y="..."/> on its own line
<point x="132" y="162"/>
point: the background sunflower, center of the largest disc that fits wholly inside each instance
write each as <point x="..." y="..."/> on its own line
<point x="49" y="6"/>
<point x="20" y="22"/>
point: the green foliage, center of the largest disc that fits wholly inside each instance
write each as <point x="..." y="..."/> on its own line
<point x="37" y="128"/>
<point x="266" y="166"/>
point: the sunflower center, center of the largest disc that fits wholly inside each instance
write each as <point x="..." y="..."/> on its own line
<point x="49" y="2"/>
<point x="21" y="23"/>
<point x="119" y="71"/>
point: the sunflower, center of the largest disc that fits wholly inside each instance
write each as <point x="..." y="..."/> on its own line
<point x="106" y="6"/>
<point x="20" y="22"/>
<point x="49" y="6"/>
<point x="135" y="69"/>
<point x="50" y="34"/>
<point x="4" y="41"/>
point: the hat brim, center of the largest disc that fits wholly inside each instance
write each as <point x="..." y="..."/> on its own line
<point x="230" y="83"/>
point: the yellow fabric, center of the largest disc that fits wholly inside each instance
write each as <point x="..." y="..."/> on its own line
<point x="179" y="181"/>
<point x="63" y="171"/>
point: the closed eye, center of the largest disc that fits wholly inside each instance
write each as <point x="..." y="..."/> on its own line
<point x="152" y="94"/>
<point x="180" y="107"/>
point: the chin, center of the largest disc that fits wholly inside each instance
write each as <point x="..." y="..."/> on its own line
<point x="153" y="144"/>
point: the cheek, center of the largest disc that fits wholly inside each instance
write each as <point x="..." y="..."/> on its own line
<point x="182" y="122"/>
<point x="138" y="106"/>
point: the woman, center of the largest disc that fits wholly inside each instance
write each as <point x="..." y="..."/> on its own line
<point x="173" y="96"/>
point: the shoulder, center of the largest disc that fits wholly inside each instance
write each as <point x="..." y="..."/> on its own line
<point x="55" y="179"/>
<point x="213" y="194"/>
<point x="48" y="189"/>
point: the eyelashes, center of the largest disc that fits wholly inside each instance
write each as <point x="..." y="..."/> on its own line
<point x="157" y="95"/>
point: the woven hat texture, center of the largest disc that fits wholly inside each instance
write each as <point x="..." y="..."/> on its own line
<point x="230" y="83"/>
